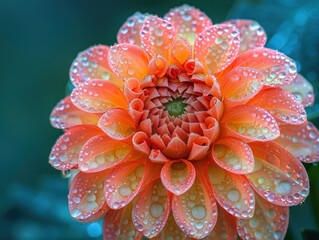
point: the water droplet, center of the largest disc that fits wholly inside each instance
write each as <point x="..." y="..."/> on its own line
<point x="233" y="195"/>
<point x="156" y="210"/>
<point x="283" y="187"/>
<point x="199" y="212"/>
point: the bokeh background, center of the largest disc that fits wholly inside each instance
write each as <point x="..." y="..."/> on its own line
<point x="38" y="41"/>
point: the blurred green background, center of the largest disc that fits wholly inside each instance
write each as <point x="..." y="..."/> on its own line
<point x="38" y="41"/>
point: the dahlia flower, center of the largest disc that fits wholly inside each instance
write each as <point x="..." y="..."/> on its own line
<point x="186" y="130"/>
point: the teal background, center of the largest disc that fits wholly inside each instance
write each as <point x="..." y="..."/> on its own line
<point x="39" y="40"/>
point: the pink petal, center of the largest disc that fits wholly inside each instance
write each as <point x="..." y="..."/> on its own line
<point x="142" y="142"/>
<point x="217" y="46"/>
<point x="101" y="152"/>
<point x="66" y="115"/>
<point x="301" y="141"/>
<point x="178" y="176"/>
<point x="96" y="96"/>
<point x="278" y="176"/>
<point x="252" y="35"/>
<point x="269" y="222"/>
<point x="91" y="64"/>
<point x="199" y="148"/>
<point x="65" y="152"/>
<point x="152" y="209"/>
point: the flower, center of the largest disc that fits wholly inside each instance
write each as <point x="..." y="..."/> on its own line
<point x="185" y="129"/>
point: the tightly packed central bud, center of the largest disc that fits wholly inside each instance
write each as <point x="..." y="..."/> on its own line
<point x="176" y="107"/>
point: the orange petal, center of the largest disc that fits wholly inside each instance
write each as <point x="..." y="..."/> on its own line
<point x="157" y="156"/>
<point x="142" y="142"/>
<point x="195" y="211"/>
<point x="233" y="155"/>
<point x="301" y="141"/>
<point x="302" y="90"/>
<point x="277" y="68"/>
<point x="232" y="192"/>
<point x="157" y="66"/>
<point x="210" y="128"/>
<point x="217" y="46"/>
<point x="132" y="89"/>
<point x="97" y="96"/>
<point x="241" y="84"/>
<point x="65" y="115"/>
<point x="86" y="196"/>
<point x="65" y="152"/>
<point x="252" y="35"/>
<point x="128" y="61"/>
<point x="178" y="176"/>
<point x="269" y="222"/>
<point x="101" y="152"/>
<point x="130" y="30"/>
<point x="176" y="148"/>
<point x="136" y="110"/>
<point x="157" y="36"/>
<point x="250" y="123"/>
<point x="278" y="176"/>
<point x="188" y="21"/>
<point x="91" y="64"/>
<point x="124" y="183"/>
<point x="151" y="210"/>
<point x="117" y="124"/>
<point x="199" y="148"/>
<point x="281" y="104"/>
<point x="181" y="51"/>
<point x="118" y="224"/>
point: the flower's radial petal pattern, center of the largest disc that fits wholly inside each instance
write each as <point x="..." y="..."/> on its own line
<point x="66" y="115"/>
<point x="277" y="68"/>
<point x="178" y="176"/>
<point x="117" y="124"/>
<point x="269" y="222"/>
<point x="65" y="152"/>
<point x="302" y="90"/>
<point x="217" y="46"/>
<point x="232" y="192"/>
<point x="128" y="61"/>
<point x="152" y="209"/>
<point x="281" y="104"/>
<point x="301" y="141"/>
<point x="195" y="211"/>
<point x="188" y="21"/>
<point x="157" y="35"/>
<point x="240" y="85"/>
<point x="130" y="30"/>
<point x="250" y="123"/>
<point x="93" y="64"/>
<point x="118" y="224"/>
<point x="101" y="152"/>
<point x="86" y="196"/>
<point x="233" y="155"/>
<point x="124" y="183"/>
<point x="252" y="35"/>
<point x="278" y="176"/>
<point x="96" y="96"/>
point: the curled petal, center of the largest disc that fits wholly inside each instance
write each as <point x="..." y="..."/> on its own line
<point x="199" y="148"/>
<point x="93" y="64"/>
<point x="178" y="176"/>
<point x="216" y="108"/>
<point x="302" y="90"/>
<point x="102" y="152"/>
<point x="281" y="104"/>
<point x="66" y="115"/>
<point x="130" y="30"/>
<point x="65" y="152"/>
<point x="233" y="155"/>
<point x="135" y="109"/>
<point x="301" y="141"/>
<point x="181" y="51"/>
<point x="152" y="209"/>
<point x="252" y="35"/>
<point x="277" y="68"/>
<point x="157" y="66"/>
<point x="195" y="211"/>
<point x="132" y="89"/>
<point x="176" y="148"/>
<point x="278" y="176"/>
<point x="141" y="142"/>
<point x="210" y="128"/>
<point x="157" y="156"/>
<point x="269" y="222"/>
<point x="188" y="21"/>
<point x="128" y="61"/>
<point x="157" y="36"/>
<point x="217" y="46"/>
<point x="96" y="96"/>
<point x="232" y="192"/>
<point x="250" y="123"/>
<point x="117" y="124"/>
<point x="86" y="196"/>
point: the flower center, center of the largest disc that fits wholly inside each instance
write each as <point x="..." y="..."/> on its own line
<point x="176" y="107"/>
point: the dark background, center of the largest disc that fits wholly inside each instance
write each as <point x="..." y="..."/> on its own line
<point x="38" y="41"/>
